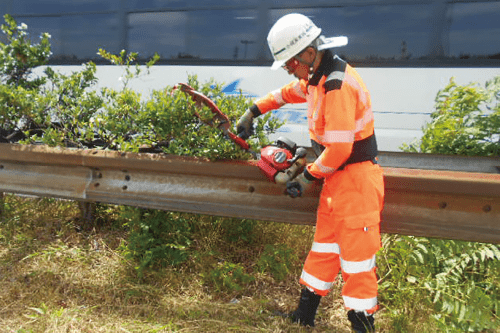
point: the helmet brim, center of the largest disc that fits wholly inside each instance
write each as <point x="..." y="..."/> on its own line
<point x="277" y="64"/>
<point x="333" y="42"/>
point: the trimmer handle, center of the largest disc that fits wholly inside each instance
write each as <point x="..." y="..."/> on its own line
<point x="300" y="153"/>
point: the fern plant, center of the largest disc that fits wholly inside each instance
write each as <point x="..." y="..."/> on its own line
<point x="464" y="284"/>
<point x="459" y="280"/>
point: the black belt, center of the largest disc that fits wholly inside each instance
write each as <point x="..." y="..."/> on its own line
<point x="342" y="167"/>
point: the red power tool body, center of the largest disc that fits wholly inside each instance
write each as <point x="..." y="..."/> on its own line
<point x="281" y="161"/>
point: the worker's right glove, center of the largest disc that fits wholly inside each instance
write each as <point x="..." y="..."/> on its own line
<point x="244" y="126"/>
<point x="300" y="184"/>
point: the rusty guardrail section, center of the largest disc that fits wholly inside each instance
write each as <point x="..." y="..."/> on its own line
<point x="445" y="204"/>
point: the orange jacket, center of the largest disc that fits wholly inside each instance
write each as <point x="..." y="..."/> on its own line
<point x="339" y="114"/>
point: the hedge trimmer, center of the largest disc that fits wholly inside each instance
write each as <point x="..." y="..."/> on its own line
<point x="279" y="162"/>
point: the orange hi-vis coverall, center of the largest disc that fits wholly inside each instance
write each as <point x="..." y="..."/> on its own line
<point x="341" y="127"/>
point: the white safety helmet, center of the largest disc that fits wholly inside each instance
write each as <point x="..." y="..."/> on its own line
<point x="292" y="33"/>
<point x="289" y="35"/>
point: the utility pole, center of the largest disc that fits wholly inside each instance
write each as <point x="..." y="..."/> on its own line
<point x="246" y="42"/>
<point x="123" y="25"/>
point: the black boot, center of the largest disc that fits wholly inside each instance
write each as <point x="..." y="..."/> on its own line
<point x="306" y="310"/>
<point x="361" y="323"/>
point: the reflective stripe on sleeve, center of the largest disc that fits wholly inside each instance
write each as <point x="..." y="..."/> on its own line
<point x="360" y="304"/>
<point x="348" y="136"/>
<point x="353" y="267"/>
<point x="315" y="282"/>
<point x="326" y="248"/>
<point x="323" y="168"/>
<point x="338" y="136"/>
<point x="317" y="107"/>
<point x="355" y="84"/>
<point x="367" y="118"/>
<point x="278" y="97"/>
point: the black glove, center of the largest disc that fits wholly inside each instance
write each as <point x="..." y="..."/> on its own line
<point x="244" y="126"/>
<point x="300" y="184"/>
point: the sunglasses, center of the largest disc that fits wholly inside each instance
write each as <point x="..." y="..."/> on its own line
<point x="291" y="65"/>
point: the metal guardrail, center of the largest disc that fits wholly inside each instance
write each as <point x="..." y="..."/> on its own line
<point x="432" y="203"/>
<point x="440" y="162"/>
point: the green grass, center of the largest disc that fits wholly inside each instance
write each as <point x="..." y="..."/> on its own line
<point x="59" y="275"/>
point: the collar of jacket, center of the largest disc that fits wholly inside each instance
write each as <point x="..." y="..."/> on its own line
<point x="325" y="68"/>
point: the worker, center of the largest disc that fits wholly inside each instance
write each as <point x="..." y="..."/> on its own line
<point x="341" y="128"/>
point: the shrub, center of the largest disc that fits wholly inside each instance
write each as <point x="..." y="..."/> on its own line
<point x="466" y="121"/>
<point x="459" y="280"/>
<point x="69" y="111"/>
<point x="19" y="55"/>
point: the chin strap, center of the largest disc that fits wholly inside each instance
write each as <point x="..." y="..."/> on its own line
<point x="309" y="64"/>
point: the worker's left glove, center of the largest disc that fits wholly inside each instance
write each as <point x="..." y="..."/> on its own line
<point x="300" y="184"/>
<point x="244" y="126"/>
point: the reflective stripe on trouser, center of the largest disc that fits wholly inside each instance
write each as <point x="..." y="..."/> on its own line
<point x="348" y="236"/>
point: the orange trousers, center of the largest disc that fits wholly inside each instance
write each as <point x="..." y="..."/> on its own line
<point x="347" y="236"/>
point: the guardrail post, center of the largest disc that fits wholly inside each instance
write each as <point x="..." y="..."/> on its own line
<point x="1" y="206"/>
<point x="87" y="210"/>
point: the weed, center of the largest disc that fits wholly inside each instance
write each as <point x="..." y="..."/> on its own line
<point x="228" y="277"/>
<point x="277" y="260"/>
<point x="156" y="238"/>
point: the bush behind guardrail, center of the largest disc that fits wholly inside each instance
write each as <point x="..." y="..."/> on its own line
<point x="68" y="110"/>
<point x="459" y="279"/>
